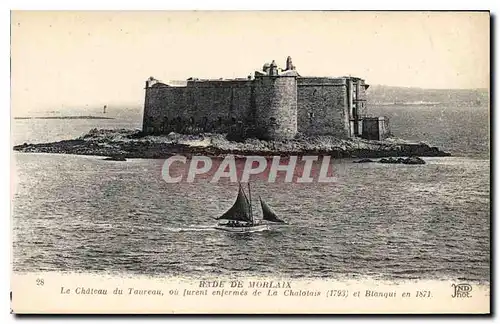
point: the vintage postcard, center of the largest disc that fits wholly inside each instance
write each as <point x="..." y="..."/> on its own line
<point x="250" y="162"/>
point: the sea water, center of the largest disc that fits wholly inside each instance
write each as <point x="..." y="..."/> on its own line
<point x="391" y="222"/>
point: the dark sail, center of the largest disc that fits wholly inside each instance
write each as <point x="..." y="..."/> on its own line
<point x="268" y="214"/>
<point x="240" y="211"/>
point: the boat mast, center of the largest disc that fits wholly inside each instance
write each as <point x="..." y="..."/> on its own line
<point x="250" y="197"/>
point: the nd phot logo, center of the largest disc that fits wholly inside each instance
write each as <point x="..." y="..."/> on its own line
<point x="461" y="290"/>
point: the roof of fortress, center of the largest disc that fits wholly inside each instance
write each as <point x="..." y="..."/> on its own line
<point x="268" y="69"/>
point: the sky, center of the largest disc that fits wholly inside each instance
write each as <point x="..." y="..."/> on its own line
<point x="63" y="59"/>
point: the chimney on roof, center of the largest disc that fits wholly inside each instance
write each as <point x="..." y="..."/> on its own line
<point x="273" y="68"/>
<point x="289" y="64"/>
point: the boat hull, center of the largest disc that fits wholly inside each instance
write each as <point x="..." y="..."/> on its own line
<point x="246" y="229"/>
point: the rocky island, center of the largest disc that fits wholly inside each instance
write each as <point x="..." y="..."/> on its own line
<point x="124" y="143"/>
<point x="274" y="111"/>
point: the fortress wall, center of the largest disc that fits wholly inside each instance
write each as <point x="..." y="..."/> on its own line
<point x="216" y="105"/>
<point x="210" y="106"/>
<point x="276" y="107"/>
<point x="316" y="81"/>
<point x="323" y="107"/>
<point x="208" y="102"/>
<point x="244" y="103"/>
<point x="279" y="106"/>
<point x="162" y="105"/>
<point x="362" y="107"/>
<point x="226" y="99"/>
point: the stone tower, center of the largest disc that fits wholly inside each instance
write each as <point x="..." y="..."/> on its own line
<point x="276" y="104"/>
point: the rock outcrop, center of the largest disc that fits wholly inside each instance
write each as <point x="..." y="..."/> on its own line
<point x="408" y="160"/>
<point x="364" y="161"/>
<point x="115" y="158"/>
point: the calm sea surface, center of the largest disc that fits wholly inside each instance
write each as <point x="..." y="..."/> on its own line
<point x="80" y="213"/>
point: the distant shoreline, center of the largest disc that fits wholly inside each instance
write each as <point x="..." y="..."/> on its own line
<point x="65" y="117"/>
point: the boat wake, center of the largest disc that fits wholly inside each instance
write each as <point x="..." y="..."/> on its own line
<point x="211" y="228"/>
<point x="190" y="229"/>
<point x="250" y="229"/>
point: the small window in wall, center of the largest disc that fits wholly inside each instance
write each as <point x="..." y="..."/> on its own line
<point x="311" y="114"/>
<point x="272" y="120"/>
<point x="314" y="92"/>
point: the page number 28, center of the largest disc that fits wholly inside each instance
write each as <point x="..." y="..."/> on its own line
<point x="39" y="282"/>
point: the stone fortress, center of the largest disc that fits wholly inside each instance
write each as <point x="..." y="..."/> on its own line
<point x="274" y="104"/>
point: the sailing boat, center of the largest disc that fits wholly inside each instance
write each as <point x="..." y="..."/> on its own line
<point x="240" y="216"/>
